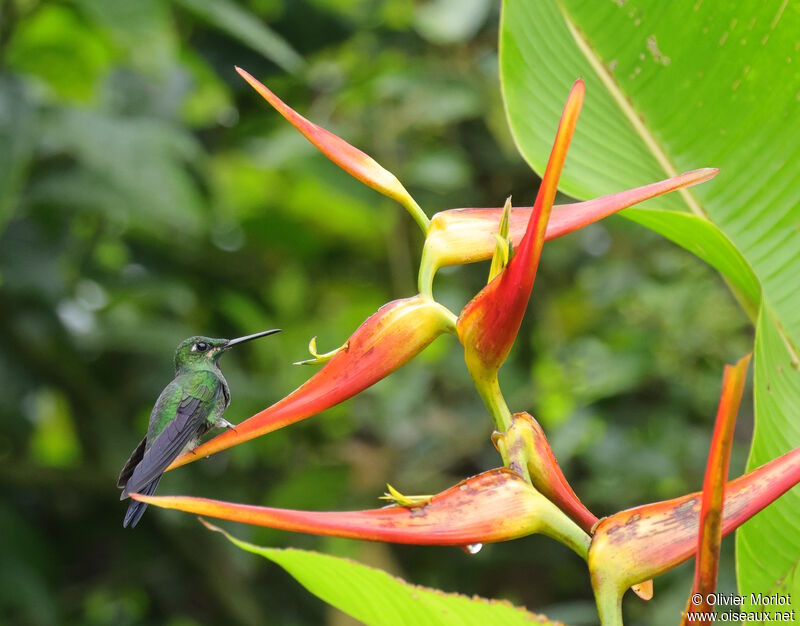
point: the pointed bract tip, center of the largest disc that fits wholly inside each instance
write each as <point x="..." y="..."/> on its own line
<point x="575" y="99"/>
<point x="702" y="174"/>
<point x="247" y="76"/>
<point x="267" y="94"/>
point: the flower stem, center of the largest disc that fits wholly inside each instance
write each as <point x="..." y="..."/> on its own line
<point x="416" y="212"/>
<point x="449" y="317"/>
<point x="557" y="525"/>
<point x="428" y="266"/>
<point x="609" y="603"/>
<point x="515" y="456"/>
<point x="489" y="388"/>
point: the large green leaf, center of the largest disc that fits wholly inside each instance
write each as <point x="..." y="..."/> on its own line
<point x="768" y="546"/>
<point x="673" y="86"/>
<point x="374" y="597"/>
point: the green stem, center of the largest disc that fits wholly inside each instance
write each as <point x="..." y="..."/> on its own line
<point x="416" y="212"/>
<point x="514" y="456"/>
<point x="450" y="318"/>
<point x="489" y="389"/>
<point x="427" y="270"/>
<point x="609" y="603"/>
<point x="557" y="525"/>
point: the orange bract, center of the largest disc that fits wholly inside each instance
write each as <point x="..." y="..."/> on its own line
<point x="497" y="505"/>
<point x="719" y="454"/>
<point x="349" y="158"/>
<point x="386" y="341"/>
<point x="488" y="325"/>
<point x="648" y="540"/>
<point x="459" y="236"/>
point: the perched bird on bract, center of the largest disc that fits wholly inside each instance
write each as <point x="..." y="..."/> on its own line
<point x="192" y="404"/>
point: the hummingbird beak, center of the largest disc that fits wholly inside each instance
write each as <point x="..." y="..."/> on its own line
<point x="246" y="338"/>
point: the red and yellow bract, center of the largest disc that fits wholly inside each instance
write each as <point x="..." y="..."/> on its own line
<point x="489" y="323"/>
<point x="648" y="540"/>
<point x="458" y="236"/>
<point x="386" y="341"/>
<point x="497" y="505"/>
<point x="719" y="455"/>
<point x="348" y="157"/>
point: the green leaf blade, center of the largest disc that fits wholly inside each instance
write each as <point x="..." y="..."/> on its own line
<point x="672" y="86"/>
<point x="661" y="89"/>
<point x="768" y="546"/>
<point x="539" y="60"/>
<point x="378" y="599"/>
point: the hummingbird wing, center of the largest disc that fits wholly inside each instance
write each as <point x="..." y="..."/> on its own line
<point x="131" y="463"/>
<point x="196" y="394"/>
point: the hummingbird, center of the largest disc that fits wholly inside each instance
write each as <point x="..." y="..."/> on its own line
<point x="192" y="404"/>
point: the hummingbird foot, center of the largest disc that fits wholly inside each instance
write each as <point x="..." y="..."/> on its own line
<point x="223" y="423"/>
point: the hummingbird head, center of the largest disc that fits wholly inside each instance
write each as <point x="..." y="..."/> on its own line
<point x="203" y="351"/>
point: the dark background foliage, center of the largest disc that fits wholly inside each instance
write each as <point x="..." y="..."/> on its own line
<point x="148" y="194"/>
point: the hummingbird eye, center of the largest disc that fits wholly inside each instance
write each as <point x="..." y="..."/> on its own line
<point x="200" y="346"/>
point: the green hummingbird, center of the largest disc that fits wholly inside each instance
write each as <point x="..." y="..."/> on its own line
<point x="192" y="404"/>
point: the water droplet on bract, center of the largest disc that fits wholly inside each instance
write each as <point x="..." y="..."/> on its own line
<point x="472" y="548"/>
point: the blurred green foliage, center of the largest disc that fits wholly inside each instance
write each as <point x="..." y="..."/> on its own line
<point x="147" y="194"/>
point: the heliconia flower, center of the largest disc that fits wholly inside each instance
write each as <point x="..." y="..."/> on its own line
<point x="497" y="505"/>
<point x="386" y="341"/>
<point x="458" y="236"/>
<point x="546" y="475"/>
<point x="719" y="455"/>
<point x="489" y="323"/>
<point x="648" y="540"/>
<point x="349" y="158"/>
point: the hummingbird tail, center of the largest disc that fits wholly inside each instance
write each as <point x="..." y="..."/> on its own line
<point x="136" y="509"/>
